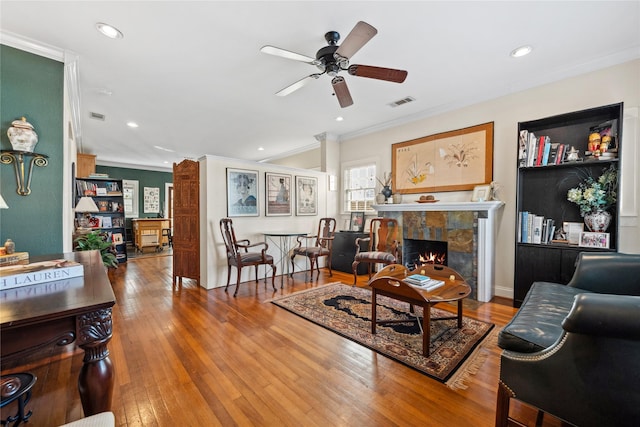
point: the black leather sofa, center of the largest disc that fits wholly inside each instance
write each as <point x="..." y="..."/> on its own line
<point x="573" y="350"/>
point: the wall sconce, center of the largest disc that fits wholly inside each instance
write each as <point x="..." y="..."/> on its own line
<point x="18" y="159"/>
<point x="23" y="139"/>
<point x="86" y="206"/>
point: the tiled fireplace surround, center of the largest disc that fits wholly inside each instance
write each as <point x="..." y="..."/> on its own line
<point x="468" y="228"/>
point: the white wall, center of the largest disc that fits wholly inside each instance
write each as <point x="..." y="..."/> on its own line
<point x="608" y="86"/>
<point x="213" y="207"/>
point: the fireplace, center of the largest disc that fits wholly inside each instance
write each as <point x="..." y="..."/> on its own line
<point x="465" y="231"/>
<point x="416" y="252"/>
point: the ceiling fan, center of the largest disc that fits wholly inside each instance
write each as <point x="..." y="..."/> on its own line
<point x="332" y="59"/>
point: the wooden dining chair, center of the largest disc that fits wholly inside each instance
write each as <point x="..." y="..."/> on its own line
<point x="382" y="246"/>
<point x="238" y="254"/>
<point x="316" y="246"/>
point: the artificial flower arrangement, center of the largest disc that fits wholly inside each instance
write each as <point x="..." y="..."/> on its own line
<point x="593" y="195"/>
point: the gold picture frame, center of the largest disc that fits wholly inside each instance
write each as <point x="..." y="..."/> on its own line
<point x="457" y="160"/>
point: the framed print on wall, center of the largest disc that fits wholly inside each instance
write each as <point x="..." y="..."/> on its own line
<point x="449" y="161"/>
<point x="306" y="195"/>
<point x="242" y="192"/>
<point x="278" y="194"/>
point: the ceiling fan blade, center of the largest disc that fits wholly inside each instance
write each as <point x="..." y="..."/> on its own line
<point x="342" y="91"/>
<point x="297" y="85"/>
<point x="272" y="50"/>
<point x="357" y="38"/>
<point x="380" y="73"/>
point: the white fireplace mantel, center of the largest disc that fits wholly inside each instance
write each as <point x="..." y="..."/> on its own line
<point x="486" y="234"/>
<point x="441" y="206"/>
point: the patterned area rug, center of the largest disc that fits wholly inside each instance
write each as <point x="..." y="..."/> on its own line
<point x="346" y="310"/>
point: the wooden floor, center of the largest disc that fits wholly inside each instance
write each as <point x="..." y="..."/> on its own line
<point x="195" y="357"/>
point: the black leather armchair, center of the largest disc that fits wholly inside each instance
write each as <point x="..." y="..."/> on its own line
<point x="573" y="350"/>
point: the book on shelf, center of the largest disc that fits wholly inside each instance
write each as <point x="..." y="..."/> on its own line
<point x="535" y="229"/>
<point x="553" y="153"/>
<point x="14" y="276"/>
<point x="531" y="151"/>
<point x="106" y="222"/>
<point x="523" y="145"/>
<point x="546" y="151"/>
<point x="14" y="258"/>
<point x="561" y="154"/>
<point x="539" y="150"/>
<point x="99" y="175"/>
<point x="117" y="238"/>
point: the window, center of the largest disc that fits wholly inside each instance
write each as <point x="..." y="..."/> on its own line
<point x="360" y="187"/>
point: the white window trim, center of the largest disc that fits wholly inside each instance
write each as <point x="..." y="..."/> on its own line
<point x="349" y="165"/>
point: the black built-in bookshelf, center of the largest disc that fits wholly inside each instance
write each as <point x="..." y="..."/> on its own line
<point x="108" y="196"/>
<point x="542" y="191"/>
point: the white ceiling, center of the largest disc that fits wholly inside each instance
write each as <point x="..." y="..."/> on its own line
<point x="192" y="76"/>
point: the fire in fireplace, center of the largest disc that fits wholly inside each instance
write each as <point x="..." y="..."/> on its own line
<point x="418" y="252"/>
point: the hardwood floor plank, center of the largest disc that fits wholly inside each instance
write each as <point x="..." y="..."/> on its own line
<point x="190" y="356"/>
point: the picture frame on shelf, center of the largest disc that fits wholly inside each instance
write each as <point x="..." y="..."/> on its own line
<point x="457" y="160"/>
<point x="590" y="239"/>
<point x="573" y="231"/>
<point x="357" y="222"/>
<point x="481" y="193"/>
<point x="278" y="194"/>
<point x="306" y="195"/>
<point x="242" y="192"/>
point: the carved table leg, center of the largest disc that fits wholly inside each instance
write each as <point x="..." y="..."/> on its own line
<point x="96" y="379"/>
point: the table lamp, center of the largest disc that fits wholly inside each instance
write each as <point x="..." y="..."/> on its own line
<point x="87" y="206"/>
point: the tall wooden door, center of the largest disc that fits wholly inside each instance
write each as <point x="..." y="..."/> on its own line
<point x="186" y="221"/>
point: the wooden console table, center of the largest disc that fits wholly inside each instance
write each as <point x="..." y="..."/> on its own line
<point x="147" y="232"/>
<point x="38" y="317"/>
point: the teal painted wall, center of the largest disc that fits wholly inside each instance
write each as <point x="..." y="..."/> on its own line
<point x="145" y="178"/>
<point x="33" y="87"/>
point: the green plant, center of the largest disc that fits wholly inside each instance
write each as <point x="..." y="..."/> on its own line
<point x="98" y="240"/>
<point x="593" y="195"/>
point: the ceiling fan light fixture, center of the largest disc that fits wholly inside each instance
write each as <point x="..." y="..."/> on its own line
<point x="521" y="51"/>
<point x="109" y="31"/>
<point x="333" y="69"/>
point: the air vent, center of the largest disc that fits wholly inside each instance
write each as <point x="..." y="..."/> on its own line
<point x="402" y="101"/>
<point x="96" y="116"/>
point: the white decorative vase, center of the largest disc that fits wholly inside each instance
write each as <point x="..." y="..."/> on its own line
<point x="22" y="135"/>
<point x="597" y="221"/>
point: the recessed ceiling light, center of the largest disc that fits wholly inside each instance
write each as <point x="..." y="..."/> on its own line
<point x="260" y="148"/>
<point x="521" y="51"/>
<point x="339" y="119"/>
<point x="109" y="30"/>
<point x="132" y="124"/>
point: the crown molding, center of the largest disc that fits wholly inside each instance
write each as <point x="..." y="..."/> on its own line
<point x="32" y="46"/>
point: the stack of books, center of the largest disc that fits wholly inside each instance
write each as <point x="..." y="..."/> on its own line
<point x="424" y="282"/>
<point x="14" y="276"/>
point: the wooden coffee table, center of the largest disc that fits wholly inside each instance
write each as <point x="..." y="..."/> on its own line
<point x="390" y="282"/>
